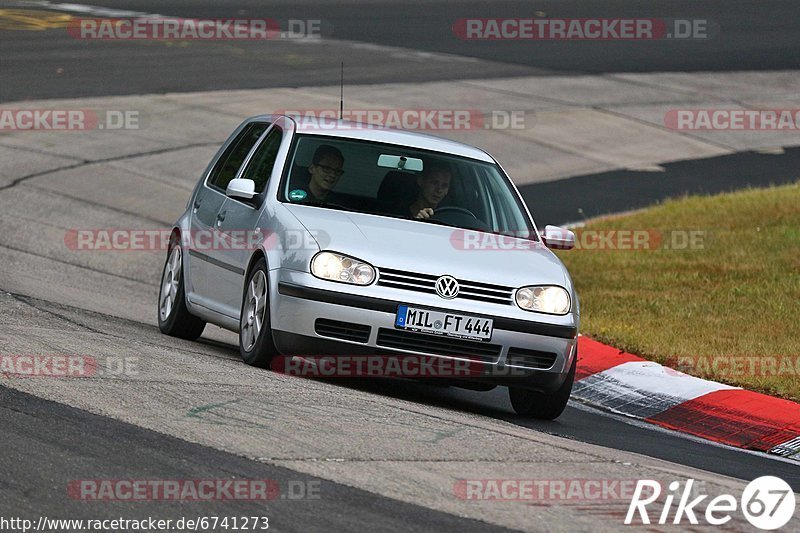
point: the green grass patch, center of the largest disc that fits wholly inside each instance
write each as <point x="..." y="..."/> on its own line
<point x="724" y="307"/>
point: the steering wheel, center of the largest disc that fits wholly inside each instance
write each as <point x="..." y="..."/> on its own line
<point x="452" y="209"/>
<point x="459" y="217"/>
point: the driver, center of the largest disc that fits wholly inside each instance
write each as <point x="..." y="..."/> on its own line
<point x="434" y="184"/>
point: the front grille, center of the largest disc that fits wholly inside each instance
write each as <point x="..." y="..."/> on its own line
<point x="342" y="330"/>
<point x="530" y="358"/>
<point x="426" y="283"/>
<point x="438" y="345"/>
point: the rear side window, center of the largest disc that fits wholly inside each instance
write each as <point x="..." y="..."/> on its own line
<point x="260" y="167"/>
<point x="233" y="157"/>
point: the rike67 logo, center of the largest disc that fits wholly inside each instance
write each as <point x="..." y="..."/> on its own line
<point x="767" y="502"/>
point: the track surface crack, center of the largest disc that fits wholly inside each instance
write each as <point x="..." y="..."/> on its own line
<point x="86" y="162"/>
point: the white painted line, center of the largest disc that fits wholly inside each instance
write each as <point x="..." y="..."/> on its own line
<point x="396" y="51"/>
<point x="642" y="389"/>
<point x="650" y="376"/>
<point x="87" y="10"/>
<point x="789" y="449"/>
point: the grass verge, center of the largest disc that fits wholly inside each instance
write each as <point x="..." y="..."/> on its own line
<point x="709" y="285"/>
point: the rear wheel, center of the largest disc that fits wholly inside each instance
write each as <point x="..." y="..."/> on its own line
<point x="540" y="405"/>
<point x="173" y="317"/>
<point x="255" y="334"/>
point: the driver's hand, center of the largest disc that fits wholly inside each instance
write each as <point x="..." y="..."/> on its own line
<point x="426" y="212"/>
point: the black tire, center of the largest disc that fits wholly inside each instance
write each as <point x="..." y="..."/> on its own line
<point x="540" y="405"/>
<point x="262" y="352"/>
<point x="178" y="322"/>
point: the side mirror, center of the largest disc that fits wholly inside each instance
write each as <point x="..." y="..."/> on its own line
<point x="558" y="238"/>
<point x="242" y="188"/>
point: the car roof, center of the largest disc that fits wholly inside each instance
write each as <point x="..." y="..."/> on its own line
<point x="382" y="134"/>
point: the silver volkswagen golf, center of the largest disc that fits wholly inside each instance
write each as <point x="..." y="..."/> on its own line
<point x="314" y="238"/>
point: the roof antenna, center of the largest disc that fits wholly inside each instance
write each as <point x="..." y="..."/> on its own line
<point x="341" y="93"/>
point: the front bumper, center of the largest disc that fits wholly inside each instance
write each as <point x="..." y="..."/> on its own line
<point x="297" y="303"/>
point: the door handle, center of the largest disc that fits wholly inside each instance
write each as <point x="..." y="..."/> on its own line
<point x="221" y="216"/>
<point x="197" y="204"/>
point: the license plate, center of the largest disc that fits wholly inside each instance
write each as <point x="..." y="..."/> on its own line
<point x="442" y="323"/>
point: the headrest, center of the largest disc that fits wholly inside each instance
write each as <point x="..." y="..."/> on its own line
<point x="398" y="188"/>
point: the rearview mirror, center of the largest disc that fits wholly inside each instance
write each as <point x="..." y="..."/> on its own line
<point x="241" y="188"/>
<point x="558" y="238"/>
<point x="400" y="162"/>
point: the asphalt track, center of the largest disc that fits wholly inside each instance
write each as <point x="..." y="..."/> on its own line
<point x="49" y="443"/>
<point x="50" y="64"/>
<point x="568" y="200"/>
<point x="187" y="385"/>
<point x="36" y="432"/>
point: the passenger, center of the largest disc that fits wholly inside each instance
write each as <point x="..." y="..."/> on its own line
<point x="325" y="170"/>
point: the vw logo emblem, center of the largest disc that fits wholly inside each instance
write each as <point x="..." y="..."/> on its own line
<point x="447" y="287"/>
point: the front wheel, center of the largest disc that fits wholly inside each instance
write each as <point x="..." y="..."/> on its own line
<point x="174" y="318"/>
<point x="540" y="405"/>
<point x="255" y="335"/>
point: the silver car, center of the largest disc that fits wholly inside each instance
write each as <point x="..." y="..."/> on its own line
<point x="313" y="238"/>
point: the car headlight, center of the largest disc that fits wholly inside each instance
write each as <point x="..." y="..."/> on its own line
<point x="338" y="267"/>
<point x="545" y="299"/>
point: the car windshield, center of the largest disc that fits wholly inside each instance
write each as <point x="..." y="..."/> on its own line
<point x="403" y="182"/>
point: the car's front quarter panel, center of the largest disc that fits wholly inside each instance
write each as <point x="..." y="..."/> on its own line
<point x="575" y="308"/>
<point x="287" y="244"/>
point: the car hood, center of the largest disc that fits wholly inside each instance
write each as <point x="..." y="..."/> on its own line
<point x="409" y="245"/>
